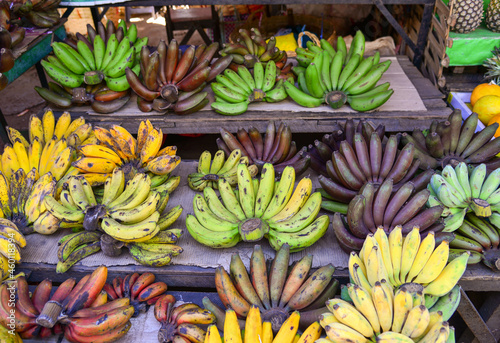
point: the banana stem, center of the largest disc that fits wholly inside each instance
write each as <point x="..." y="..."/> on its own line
<point x="110" y="246"/>
<point x="480" y="207"/>
<point x="50" y="314"/>
<point x="253" y="229"/>
<point x="336" y="99"/>
<point x="170" y="93"/>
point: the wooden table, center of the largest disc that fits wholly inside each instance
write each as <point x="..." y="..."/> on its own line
<point x="305" y="120"/>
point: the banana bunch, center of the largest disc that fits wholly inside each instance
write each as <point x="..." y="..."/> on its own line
<point x="8" y="39"/>
<point x="210" y="171"/>
<point x="346" y="77"/>
<point x="451" y="142"/>
<point x="77" y="309"/>
<point x="180" y="323"/>
<point x="276" y="147"/>
<point x="480" y="238"/>
<point x="353" y="165"/>
<point x="255" y="330"/>
<point x="258" y="209"/>
<point x="76" y="246"/>
<point x="407" y="260"/>
<point x="380" y="208"/>
<point x="172" y="79"/>
<point x="128" y="214"/>
<point x="7" y="337"/>
<point x="378" y="313"/>
<point x="305" y="56"/>
<point x="102" y="57"/>
<point x="460" y="191"/>
<point x="11" y="241"/>
<point x="251" y="48"/>
<point x="50" y="148"/>
<point x="275" y="292"/>
<point x="41" y="13"/>
<point x="321" y="151"/>
<point x="139" y="289"/>
<point x="235" y="90"/>
<point x="117" y="147"/>
<point x="21" y="202"/>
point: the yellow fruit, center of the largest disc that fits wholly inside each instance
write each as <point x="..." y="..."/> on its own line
<point x="495" y="119"/>
<point x="482" y="90"/>
<point x="487" y="107"/>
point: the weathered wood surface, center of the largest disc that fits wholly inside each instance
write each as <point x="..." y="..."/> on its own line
<point x="410" y="114"/>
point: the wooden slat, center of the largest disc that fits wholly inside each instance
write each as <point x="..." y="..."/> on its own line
<point x="474" y="321"/>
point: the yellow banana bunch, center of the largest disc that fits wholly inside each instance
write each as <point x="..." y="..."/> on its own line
<point x="285" y="214"/>
<point x="377" y="313"/>
<point x="116" y="147"/>
<point x="211" y="170"/>
<point x="400" y="260"/>
<point x="11" y="241"/>
<point x="51" y="147"/>
<point x="130" y="212"/>
<point x="257" y="331"/>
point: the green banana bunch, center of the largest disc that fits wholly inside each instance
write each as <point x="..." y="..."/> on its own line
<point x="258" y="209"/>
<point x="211" y="170"/>
<point x="344" y="77"/>
<point x="234" y="91"/>
<point x="101" y="57"/>
<point x="307" y="55"/>
<point x="481" y="238"/>
<point x="130" y="214"/>
<point x="460" y="191"/>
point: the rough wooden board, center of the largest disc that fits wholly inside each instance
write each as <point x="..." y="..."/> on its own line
<point x="474" y="321"/>
<point x="43" y="249"/>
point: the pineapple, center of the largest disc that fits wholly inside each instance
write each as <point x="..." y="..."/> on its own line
<point x="493" y="16"/>
<point x="469" y="14"/>
<point x="493" y="65"/>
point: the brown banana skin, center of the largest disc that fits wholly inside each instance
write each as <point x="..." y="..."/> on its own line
<point x="110" y="106"/>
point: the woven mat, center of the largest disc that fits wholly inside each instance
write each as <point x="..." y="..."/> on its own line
<point x="43" y="249"/>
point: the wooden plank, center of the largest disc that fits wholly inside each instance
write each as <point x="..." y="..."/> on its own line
<point x="474" y="321"/>
<point x="251" y="2"/>
<point x="426" y="89"/>
<point x="479" y="278"/>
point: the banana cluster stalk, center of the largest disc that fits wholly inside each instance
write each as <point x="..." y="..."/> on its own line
<point x="275" y="292"/>
<point x="172" y="79"/>
<point x="257" y="209"/>
<point x="235" y="90"/>
<point x="276" y="147"/>
<point x="321" y="151"/>
<point x="11" y="241"/>
<point x="460" y="191"/>
<point x="117" y="147"/>
<point x="139" y="289"/>
<point x="211" y="170"/>
<point x="403" y="260"/>
<point x="373" y="209"/>
<point x="480" y="238"/>
<point x="180" y="323"/>
<point x="76" y="246"/>
<point x="251" y="48"/>
<point x="101" y="57"/>
<point x="342" y="77"/>
<point x="256" y="330"/>
<point x="41" y="13"/>
<point x="51" y="146"/>
<point x="129" y="215"/>
<point x="352" y="166"/>
<point x="451" y="142"/>
<point x="76" y="309"/>
<point x="378" y="313"/>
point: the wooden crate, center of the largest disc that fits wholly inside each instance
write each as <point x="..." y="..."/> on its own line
<point x="435" y="58"/>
